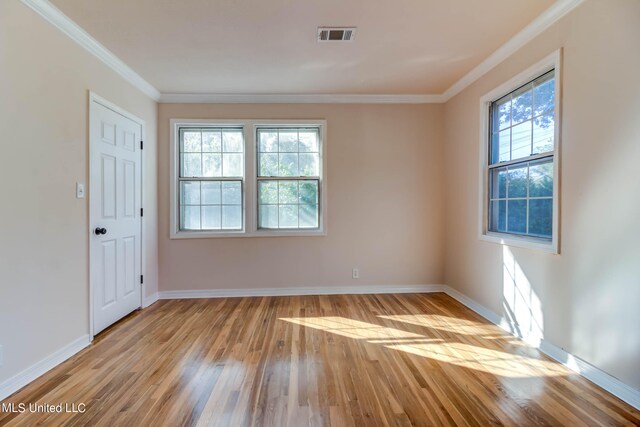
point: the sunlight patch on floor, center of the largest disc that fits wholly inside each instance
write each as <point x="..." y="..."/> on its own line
<point x="458" y="353"/>
<point x="449" y="324"/>
<point x="352" y="328"/>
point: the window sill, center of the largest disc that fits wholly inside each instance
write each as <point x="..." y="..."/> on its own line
<point x="258" y="233"/>
<point x="521" y="242"/>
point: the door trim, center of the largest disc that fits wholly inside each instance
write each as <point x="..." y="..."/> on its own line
<point x="97" y="99"/>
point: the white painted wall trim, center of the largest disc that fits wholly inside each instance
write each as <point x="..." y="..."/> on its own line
<point x="211" y="98"/>
<point x="585" y="369"/>
<point x="552" y="61"/>
<point x="556" y="11"/>
<point x="20" y="380"/>
<point x="59" y="20"/>
<point x="293" y="291"/>
<point x="149" y="300"/>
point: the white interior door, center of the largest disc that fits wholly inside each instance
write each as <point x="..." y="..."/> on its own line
<point x="115" y="215"/>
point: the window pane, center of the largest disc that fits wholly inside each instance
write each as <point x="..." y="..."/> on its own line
<point x="232" y="217"/>
<point x="288" y="204"/>
<point x="517" y="181"/>
<point x="541" y="179"/>
<point x="309" y="192"/>
<point x="268" y="141"/>
<point x="211" y="141"/>
<point x="268" y="216"/>
<point x="543" y="134"/>
<point x="231" y="193"/>
<point x="190" y="193"/>
<point x="288" y="192"/>
<point x="232" y="141"/>
<point x="191" y="165"/>
<point x="521" y="140"/>
<point x="211" y="193"/>
<point x="211" y="218"/>
<point x="190" y="217"/>
<point x="201" y="204"/>
<point x="502" y="113"/>
<point x="540" y="217"/>
<point x="232" y="165"/>
<point x="522" y="105"/>
<point x="308" y="164"/>
<point x="192" y="142"/>
<point x="498" y="186"/>
<point x="288" y="140"/>
<point x="288" y="152"/>
<point x="309" y="141"/>
<point x="504" y="145"/>
<point x="498" y="216"/>
<point x="543" y="94"/>
<point x="268" y="165"/>
<point x="212" y="165"/>
<point x="288" y="217"/>
<point x="268" y="192"/>
<point x="288" y="165"/>
<point x="500" y="146"/>
<point x="517" y="216"/>
<point x="308" y="216"/>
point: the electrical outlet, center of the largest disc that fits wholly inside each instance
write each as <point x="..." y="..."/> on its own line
<point x="356" y="273"/>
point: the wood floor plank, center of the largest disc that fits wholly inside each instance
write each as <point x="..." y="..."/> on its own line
<point x="344" y="360"/>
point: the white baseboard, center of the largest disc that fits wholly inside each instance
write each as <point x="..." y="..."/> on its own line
<point x="585" y="369"/>
<point x="148" y="300"/>
<point x="338" y="290"/>
<point x="15" y="383"/>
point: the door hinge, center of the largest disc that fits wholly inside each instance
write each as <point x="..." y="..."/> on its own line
<point x="142" y="145"/>
<point x="141" y="279"/>
<point x="141" y="211"/>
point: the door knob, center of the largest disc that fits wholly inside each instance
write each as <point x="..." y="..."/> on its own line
<point x="100" y="231"/>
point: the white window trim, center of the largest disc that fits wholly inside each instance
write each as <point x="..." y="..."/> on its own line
<point x="553" y="61"/>
<point x="250" y="200"/>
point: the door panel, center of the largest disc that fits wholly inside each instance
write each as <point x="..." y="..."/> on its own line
<point x="115" y="201"/>
<point x="129" y="244"/>
<point x="108" y="189"/>
<point x="129" y="188"/>
<point x="109" y="281"/>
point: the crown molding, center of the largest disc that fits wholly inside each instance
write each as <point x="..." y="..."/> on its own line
<point x="556" y="11"/>
<point x="59" y="20"/>
<point x="52" y="14"/>
<point x="210" y="98"/>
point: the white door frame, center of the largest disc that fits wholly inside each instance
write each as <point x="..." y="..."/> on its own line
<point x="95" y="98"/>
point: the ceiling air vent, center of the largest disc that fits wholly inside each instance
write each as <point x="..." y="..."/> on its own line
<point x="336" y="34"/>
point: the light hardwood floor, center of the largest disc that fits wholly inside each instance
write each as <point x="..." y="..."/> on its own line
<point x="364" y="360"/>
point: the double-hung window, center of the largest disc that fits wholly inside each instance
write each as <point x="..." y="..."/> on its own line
<point x="520" y="164"/>
<point x="211" y="175"/>
<point x="247" y="178"/>
<point x="288" y="178"/>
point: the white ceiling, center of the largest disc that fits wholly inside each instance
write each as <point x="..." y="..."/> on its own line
<point x="269" y="46"/>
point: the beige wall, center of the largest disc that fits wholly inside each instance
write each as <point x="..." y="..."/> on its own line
<point x="388" y="182"/>
<point x="590" y="294"/>
<point x="44" y="83"/>
<point x="385" y="205"/>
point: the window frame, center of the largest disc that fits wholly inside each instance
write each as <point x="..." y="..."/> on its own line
<point x="551" y="62"/>
<point x="250" y="179"/>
